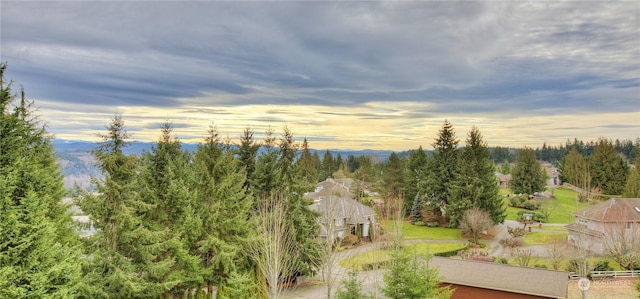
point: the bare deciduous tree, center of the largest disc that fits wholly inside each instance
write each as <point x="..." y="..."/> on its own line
<point x="273" y="250"/>
<point x="523" y="256"/>
<point x="557" y="252"/>
<point x="622" y="242"/>
<point x="475" y="221"/>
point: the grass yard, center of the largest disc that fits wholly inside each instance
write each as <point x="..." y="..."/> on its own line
<point x="412" y="232"/>
<point x="378" y="256"/>
<point x="540" y="238"/>
<point x="562" y="207"/>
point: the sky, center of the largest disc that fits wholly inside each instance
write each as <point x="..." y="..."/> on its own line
<point x="344" y="75"/>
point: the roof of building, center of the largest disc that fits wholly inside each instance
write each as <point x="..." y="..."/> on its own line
<point x="521" y="280"/>
<point x="613" y="210"/>
<point x="343" y="208"/>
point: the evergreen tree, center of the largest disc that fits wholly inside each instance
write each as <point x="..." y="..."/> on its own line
<point x="574" y="169"/>
<point x="608" y="170"/>
<point x="306" y="168"/>
<point x="506" y="167"/>
<point x="247" y="152"/>
<point x="39" y="250"/>
<point x="415" y="176"/>
<point x="410" y="276"/>
<point x="527" y="175"/>
<point x="415" y="210"/>
<point x="351" y="288"/>
<point x="222" y="209"/>
<point x="337" y="163"/>
<point x="632" y="187"/>
<point x="393" y="178"/>
<point x="165" y="180"/>
<point x="476" y="186"/>
<point x="352" y="163"/>
<point x="443" y="172"/>
<point x="327" y="167"/>
<point x="264" y="181"/>
<point x="123" y="251"/>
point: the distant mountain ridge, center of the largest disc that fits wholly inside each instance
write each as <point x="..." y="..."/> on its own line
<point x="78" y="165"/>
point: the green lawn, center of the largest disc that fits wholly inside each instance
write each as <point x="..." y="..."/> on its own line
<point x="563" y="265"/>
<point x="539" y="238"/>
<point x="378" y="256"/>
<point x="562" y="207"/>
<point x="412" y="232"/>
<point x="555" y="228"/>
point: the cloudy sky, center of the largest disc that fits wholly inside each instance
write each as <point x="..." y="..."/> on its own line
<point x="348" y="75"/>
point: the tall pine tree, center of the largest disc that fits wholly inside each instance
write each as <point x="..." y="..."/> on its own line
<point x="123" y="252"/>
<point x="39" y="250"/>
<point x="477" y="185"/>
<point x="527" y="175"/>
<point x="608" y="170"/>
<point x="443" y="171"/>
<point x="221" y="208"/>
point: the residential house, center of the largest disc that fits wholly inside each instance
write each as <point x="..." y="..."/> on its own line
<point x="503" y="179"/>
<point x="593" y="223"/>
<point x="339" y="214"/>
<point x="482" y="280"/>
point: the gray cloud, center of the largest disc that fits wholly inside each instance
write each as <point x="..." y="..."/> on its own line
<point x="524" y="58"/>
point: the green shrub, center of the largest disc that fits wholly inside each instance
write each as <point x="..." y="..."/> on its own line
<point x="502" y="260"/>
<point x="602" y="266"/>
<point x="531" y="205"/>
<point x="450" y="253"/>
<point x="579" y="266"/>
<point x="541" y="266"/>
<point x="433" y="224"/>
<point x="419" y="223"/>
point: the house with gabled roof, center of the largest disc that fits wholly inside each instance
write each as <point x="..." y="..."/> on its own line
<point x="593" y="223"/>
<point x="482" y="280"/>
<point x="341" y="215"/>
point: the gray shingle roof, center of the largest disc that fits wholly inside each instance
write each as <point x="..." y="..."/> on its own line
<point x="522" y="280"/>
<point x="613" y="210"/>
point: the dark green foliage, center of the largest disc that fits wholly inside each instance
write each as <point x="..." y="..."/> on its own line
<point x="416" y="215"/>
<point x="527" y="175"/>
<point x="247" y="154"/>
<point x="221" y="208"/>
<point x="263" y="181"/>
<point x="574" y="169"/>
<point x="306" y="168"/>
<point x="351" y="288"/>
<point x="443" y="171"/>
<point x="393" y="178"/>
<point x="415" y="176"/>
<point x="327" y="167"/>
<point x="124" y="249"/>
<point x="476" y="185"/>
<point x="165" y="181"/>
<point x="39" y="250"/>
<point x="523" y="202"/>
<point x="504" y="154"/>
<point x="602" y="266"/>
<point x="608" y="170"/>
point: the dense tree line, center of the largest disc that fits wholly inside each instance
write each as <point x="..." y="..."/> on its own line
<point x="626" y="148"/>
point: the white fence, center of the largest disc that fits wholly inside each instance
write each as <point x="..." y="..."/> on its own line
<point x="608" y="274"/>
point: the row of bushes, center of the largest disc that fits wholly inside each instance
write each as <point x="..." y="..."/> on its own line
<point x="384" y="264"/>
<point x="523" y="202"/>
